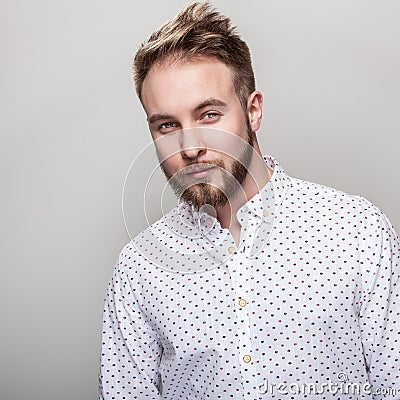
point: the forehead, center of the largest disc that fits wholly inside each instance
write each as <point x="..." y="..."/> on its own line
<point x="175" y="84"/>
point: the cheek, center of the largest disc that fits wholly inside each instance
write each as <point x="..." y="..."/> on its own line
<point x="226" y="145"/>
<point x="171" y="164"/>
<point x="167" y="148"/>
<point x="234" y="137"/>
<point x="236" y="119"/>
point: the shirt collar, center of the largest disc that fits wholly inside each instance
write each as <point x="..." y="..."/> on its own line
<point x="191" y="238"/>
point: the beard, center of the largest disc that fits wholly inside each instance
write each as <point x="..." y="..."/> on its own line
<point x="205" y="193"/>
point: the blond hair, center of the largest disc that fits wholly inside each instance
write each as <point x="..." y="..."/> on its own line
<point x="198" y="30"/>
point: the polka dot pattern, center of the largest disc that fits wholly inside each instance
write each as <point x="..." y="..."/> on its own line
<point x="311" y="292"/>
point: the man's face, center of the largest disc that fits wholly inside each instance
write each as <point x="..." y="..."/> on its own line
<point x="203" y="166"/>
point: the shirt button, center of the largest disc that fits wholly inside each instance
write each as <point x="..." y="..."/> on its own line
<point x="209" y="221"/>
<point x="246" y="358"/>
<point x="232" y="249"/>
<point x="265" y="213"/>
<point x="242" y="303"/>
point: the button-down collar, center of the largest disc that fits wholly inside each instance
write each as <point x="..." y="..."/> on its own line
<point x="201" y="246"/>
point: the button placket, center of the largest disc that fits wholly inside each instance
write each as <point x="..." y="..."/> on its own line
<point x="243" y="307"/>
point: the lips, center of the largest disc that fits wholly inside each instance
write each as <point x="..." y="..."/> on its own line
<point x="201" y="172"/>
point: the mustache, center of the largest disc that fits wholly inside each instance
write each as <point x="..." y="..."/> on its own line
<point x="198" y="165"/>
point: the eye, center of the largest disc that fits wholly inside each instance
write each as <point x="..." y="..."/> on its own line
<point x="210" y="116"/>
<point x="167" y="127"/>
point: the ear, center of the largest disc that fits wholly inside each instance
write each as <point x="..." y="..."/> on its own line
<point x="254" y="110"/>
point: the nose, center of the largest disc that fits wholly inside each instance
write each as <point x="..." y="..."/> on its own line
<point x="192" y="144"/>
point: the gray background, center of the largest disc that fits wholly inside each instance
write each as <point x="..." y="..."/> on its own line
<point x="71" y="126"/>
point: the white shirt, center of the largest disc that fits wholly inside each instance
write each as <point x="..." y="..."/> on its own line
<point x="308" y="301"/>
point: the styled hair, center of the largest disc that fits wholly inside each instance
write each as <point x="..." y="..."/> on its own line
<point x="198" y="30"/>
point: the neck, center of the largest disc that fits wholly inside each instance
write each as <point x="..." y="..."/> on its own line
<point x="257" y="177"/>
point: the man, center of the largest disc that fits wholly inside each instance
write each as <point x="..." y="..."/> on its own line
<point x="257" y="285"/>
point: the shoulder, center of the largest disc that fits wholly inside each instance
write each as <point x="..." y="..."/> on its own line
<point x="325" y="196"/>
<point x="320" y="192"/>
<point x="339" y="206"/>
<point x="151" y="247"/>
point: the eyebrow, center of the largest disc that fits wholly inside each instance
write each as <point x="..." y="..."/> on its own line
<point x="158" y="117"/>
<point x="208" y="102"/>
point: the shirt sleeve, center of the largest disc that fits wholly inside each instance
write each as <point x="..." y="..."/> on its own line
<point x="131" y="350"/>
<point x="380" y="302"/>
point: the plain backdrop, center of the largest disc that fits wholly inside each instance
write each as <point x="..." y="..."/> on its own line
<point x="71" y="126"/>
